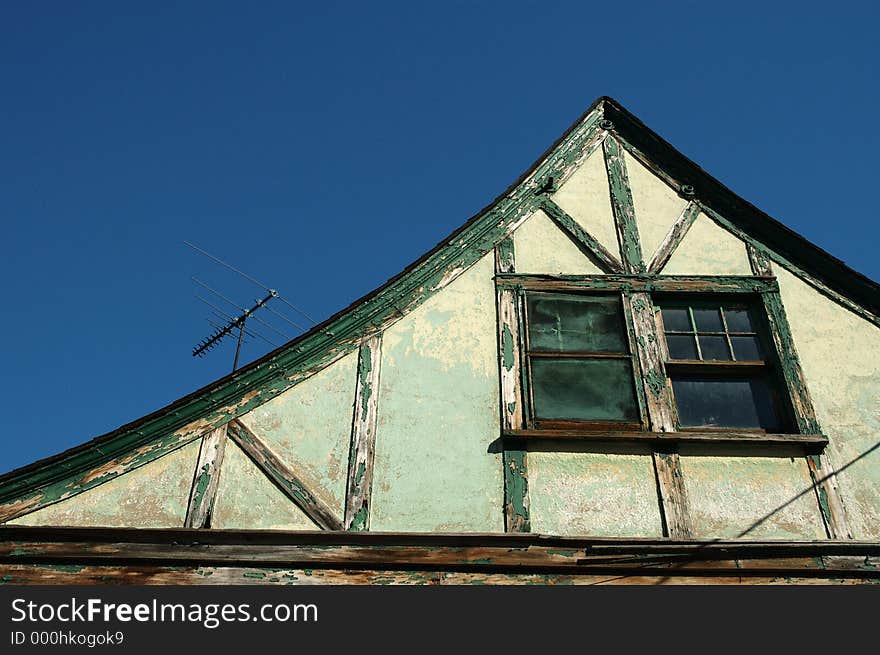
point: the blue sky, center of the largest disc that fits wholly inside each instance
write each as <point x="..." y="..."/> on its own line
<point x="323" y="147"/>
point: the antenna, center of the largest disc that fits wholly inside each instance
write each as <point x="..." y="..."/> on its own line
<point x="239" y="323"/>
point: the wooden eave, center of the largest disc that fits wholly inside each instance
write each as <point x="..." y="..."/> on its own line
<point x="264" y="378"/>
<point x="164" y="556"/>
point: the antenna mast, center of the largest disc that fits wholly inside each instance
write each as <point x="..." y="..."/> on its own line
<point x="236" y="323"/>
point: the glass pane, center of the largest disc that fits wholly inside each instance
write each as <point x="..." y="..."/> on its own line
<point x="708" y="320"/>
<point x="738" y="320"/>
<point x="583" y="389"/>
<point x="746" y="349"/>
<point x="681" y="346"/>
<point x="575" y="324"/>
<point x="714" y="349"/>
<point x="728" y="403"/>
<point x="676" y="319"/>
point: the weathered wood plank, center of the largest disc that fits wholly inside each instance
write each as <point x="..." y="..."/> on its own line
<point x="661" y="416"/>
<point x="359" y="486"/>
<point x="824" y="479"/>
<point x="622" y="207"/>
<point x="586" y="243"/>
<point x="206" y="479"/>
<point x="283" y="478"/>
<point x="665" y="283"/>
<point x="674" y="237"/>
<point x="30" y="574"/>
<point x="514" y="461"/>
<point x="759" y="261"/>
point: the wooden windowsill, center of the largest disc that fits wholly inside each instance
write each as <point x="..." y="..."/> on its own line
<point x="813" y="442"/>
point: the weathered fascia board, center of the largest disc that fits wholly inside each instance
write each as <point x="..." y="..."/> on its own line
<point x="674" y="238"/>
<point x="206" y="479"/>
<point x="514" y="460"/>
<point x="761" y="252"/>
<point x="822" y="473"/>
<point x="585" y="242"/>
<point x="283" y="478"/>
<point x="83" y="467"/>
<point x="622" y="207"/>
<point x="661" y="416"/>
<point x="811" y="442"/>
<point x="362" y="449"/>
<point x="685" y="189"/>
<point x="639" y="283"/>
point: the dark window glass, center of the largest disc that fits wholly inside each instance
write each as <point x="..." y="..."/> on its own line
<point x="583" y="389"/>
<point x="677" y="320"/>
<point x="729" y="403"/>
<point x="708" y="320"/>
<point x="725" y="381"/>
<point x="682" y="346"/>
<point x="746" y="349"/>
<point x="585" y="324"/>
<point x="714" y="348"/>
<point x="738" y="320"/>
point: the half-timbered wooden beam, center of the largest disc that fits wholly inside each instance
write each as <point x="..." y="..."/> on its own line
<point x="822" y="473"/>
<point x="661" y="416"/>
<point x="585" y="241"/>
<point x="673" y="238"/>
<point x="363" y="435"/>
<point x="622" y="207"/>
<point x="515" y="460"/>
<point x="636" y="283"/>
<point x="283" y="478"/>
<point x="206" y="479"/>
<point x="759" y="261"/>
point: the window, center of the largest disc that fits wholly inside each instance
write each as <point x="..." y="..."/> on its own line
<point x="579" y="362"/>
<point x="718" y="365"/>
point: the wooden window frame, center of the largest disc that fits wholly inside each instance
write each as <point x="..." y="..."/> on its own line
<point x="749" y="288"/>
<point x="531" y="420"/>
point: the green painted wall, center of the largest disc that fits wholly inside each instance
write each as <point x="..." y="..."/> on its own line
<point x="840" y="356"/>
<point x="309" y="428"/>
<point x="708" y="249"/>
<point x="656" y="205"/>
<point x="541" y="247"/>
<point x="152" y="496"/>
<point x="751" y="497"/>
<point x="438" y="414"/>
<point x="586" y="198"/>
<point x="247" y="499"/>
<point x="597" y="494"/>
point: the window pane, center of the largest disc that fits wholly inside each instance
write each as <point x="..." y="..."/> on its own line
<point x="583" y="389"/>
<point x="746" y="349"/>
<point x="676" y="319"/>
<point x="681" y="346"/>
<point x="729" y="403"/>
<point x="714" y="349"/>
<point x="575" y="324"/>
<point x="738" y="320"/>
<point x="708" y="320"/>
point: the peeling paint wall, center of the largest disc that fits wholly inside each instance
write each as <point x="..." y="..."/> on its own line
<point x="541" y="247"/>
<point x="708" y="249"/>
<point x="309" y="428"/>
<point x="656" y="205"/>
<point x="585" y="197"/>
<point x="152" y="496"/>
<point x="247" y="499"/>
<point x="840" y="357"/>
<point x="595" y="494"/>
<point x="751" y="497"/>
<point x="438" y="414"/>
